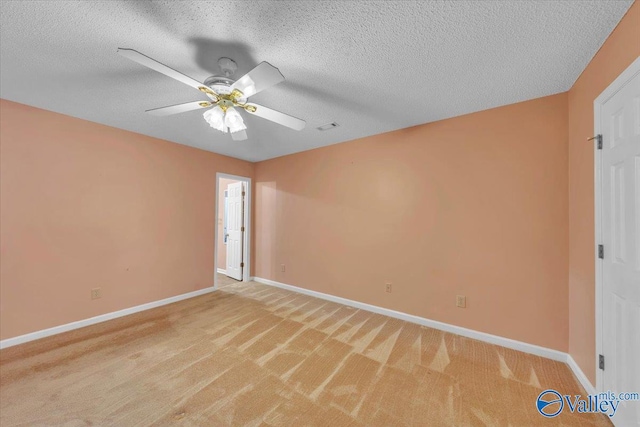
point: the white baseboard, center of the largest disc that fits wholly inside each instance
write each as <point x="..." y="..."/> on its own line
<point x="9" y="342"/>
<point x="589" y="388"/>
<point x="458" y="330"/>
<point x="222" y="271"/>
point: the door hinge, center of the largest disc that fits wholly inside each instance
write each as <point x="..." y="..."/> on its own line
<point x="241" y="228"/>
<point x="601" y="361"/>
<point x="242" y="264"/>
<point x="598" y="139"/>
<point x="601" y="251"/>
<point x="243" y="193"/>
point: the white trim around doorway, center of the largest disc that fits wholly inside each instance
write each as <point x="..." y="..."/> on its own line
<point x="246" y="250"/>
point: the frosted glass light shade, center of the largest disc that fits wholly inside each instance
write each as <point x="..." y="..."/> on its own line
<point x="233" y="120"/>
<point x="216" y="118"/>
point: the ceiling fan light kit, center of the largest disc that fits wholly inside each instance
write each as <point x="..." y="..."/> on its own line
<point x="226" y="97"/>
<point x="233" y="120"/>
<point x="215" y="118"/>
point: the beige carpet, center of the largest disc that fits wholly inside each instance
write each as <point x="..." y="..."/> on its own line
<point x="224" y="280"/>
<point x="253" y="355"/>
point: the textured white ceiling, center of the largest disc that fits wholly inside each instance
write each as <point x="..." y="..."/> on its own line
<point x="370" y="66"/>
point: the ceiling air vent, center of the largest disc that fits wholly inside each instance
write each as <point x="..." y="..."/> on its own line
<point x="328" y="126"/>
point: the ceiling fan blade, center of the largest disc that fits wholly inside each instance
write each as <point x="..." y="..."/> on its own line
<point x="161" y="68"/>
<point x="179" y="108"/>
<point x="276" y="116"/>
<point x="260" y="78"/>
<point x="239" y="136"/>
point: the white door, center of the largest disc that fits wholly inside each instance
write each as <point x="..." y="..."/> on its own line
<point x="620" y="210"/>
<point x="235" y="229"/>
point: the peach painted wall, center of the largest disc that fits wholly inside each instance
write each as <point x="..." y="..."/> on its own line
<point x="222" y="248"/>
<point x="85" y="205"/>
<point x="618" y="52"/>
<point x="474" y="205"/>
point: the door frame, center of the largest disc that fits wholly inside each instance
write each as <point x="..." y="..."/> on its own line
<point x="624" y="78"/>
<point x="246" y="238"/>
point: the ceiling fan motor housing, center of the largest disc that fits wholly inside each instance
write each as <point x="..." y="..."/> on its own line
<point x="219" y="84"/>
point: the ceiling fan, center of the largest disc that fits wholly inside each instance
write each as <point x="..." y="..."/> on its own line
<point x="226" y="96"/>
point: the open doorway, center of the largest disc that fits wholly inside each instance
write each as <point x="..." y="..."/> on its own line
<point x="232" y="229"/>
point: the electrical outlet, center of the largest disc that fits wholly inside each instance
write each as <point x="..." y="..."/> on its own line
<point x="461" y="301"/>
<point x="96" y="293"/>
<point x="388" y="287"/>
<point x="282" y="268"/>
